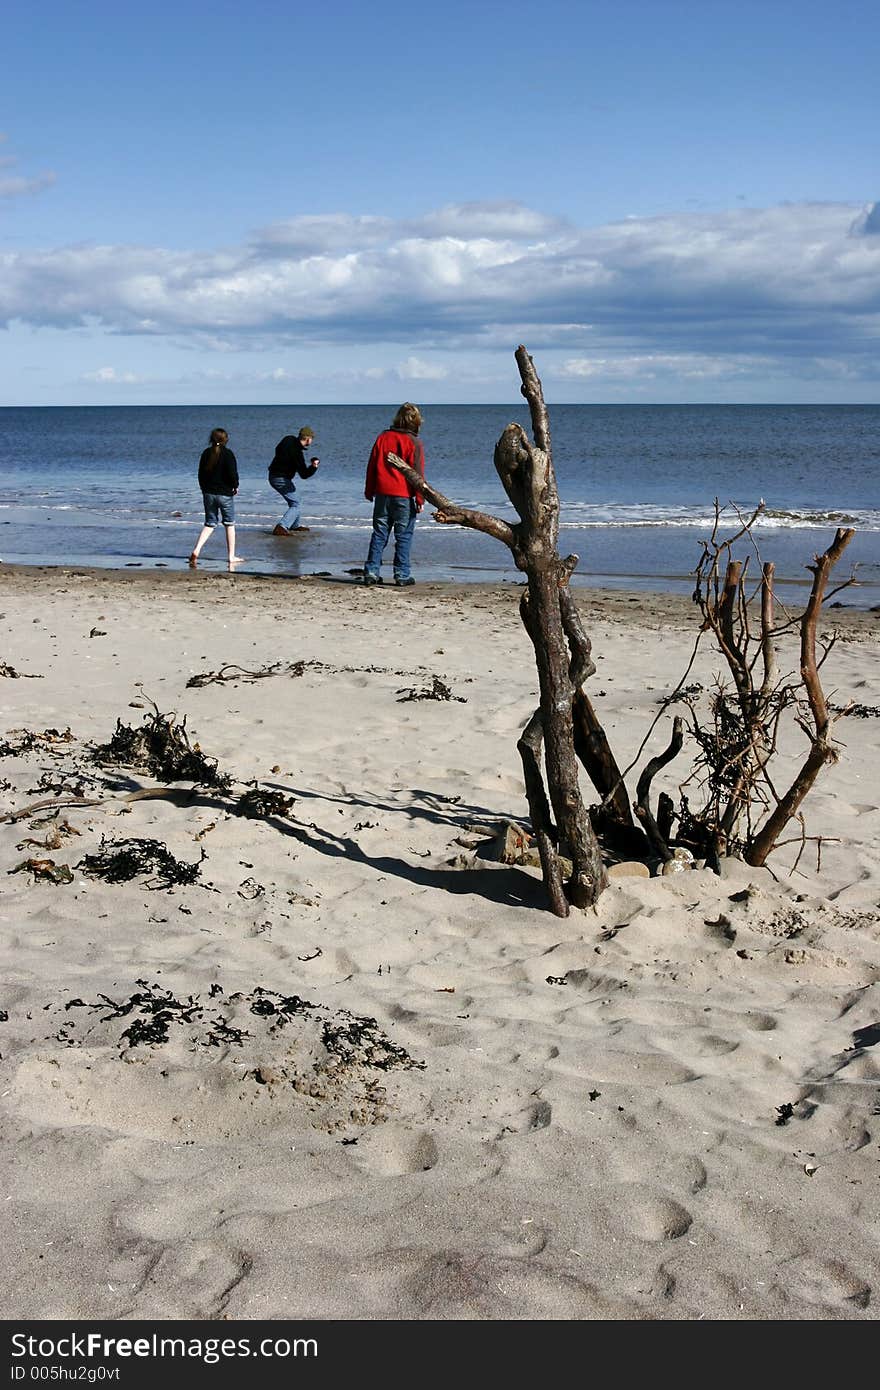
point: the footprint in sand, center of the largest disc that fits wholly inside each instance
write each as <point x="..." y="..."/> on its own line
<point x="452" y="1284"/>
<point x="642" y="1069"/>
<point x="759" y="1023"/>
<point x="827" y="1283"/>
<point x="711" y="1045"/>
<point x="523" y="1241"/>
<point x="537" y="1115"/>
<point x="191" y="1280"/>
<point x="435" y="1031"/>
<point x="835" y="1127"/>
<point x="394" y="1150"/>
<point x="635" y="1210"/>
<point x="682" y="1174"/>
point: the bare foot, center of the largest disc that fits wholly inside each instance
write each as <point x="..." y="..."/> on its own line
<point x="236" y="559"/>
<point x="193" y="561"/>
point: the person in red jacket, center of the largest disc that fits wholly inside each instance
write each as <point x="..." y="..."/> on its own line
<point x="395" y="504"/>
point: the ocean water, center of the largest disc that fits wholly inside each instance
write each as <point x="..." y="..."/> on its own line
<point x="116" y="487"/>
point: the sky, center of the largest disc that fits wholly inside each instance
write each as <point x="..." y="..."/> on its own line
<point x="221" y="203"/>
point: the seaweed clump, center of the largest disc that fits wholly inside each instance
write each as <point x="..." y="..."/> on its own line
<point x="124" y="860"/>
<point x="162" y="748"/>
<point x="437" y="690"/>
<point x="157" y="1010"/>
<point x="257" y="804"/>
<point x="355" y="1040"/>
<point x="29" y="741"/>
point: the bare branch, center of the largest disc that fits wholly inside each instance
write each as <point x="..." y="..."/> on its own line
<point x="450" y="513"/>
<point x="534" y="394"/>
<point x="643" y="809"/>
<point x="529" y="746"/>
<point x="822" y="750"/>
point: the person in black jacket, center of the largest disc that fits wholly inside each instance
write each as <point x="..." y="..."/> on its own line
<point x="218" y="479"/>
<point x="289" y="463"/>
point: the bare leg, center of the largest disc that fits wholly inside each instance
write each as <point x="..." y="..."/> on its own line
<point x="203" y="536"/>
<point x="230" y="547"/>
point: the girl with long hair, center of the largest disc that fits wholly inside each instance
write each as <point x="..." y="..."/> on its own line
<point x="218" y="479"/>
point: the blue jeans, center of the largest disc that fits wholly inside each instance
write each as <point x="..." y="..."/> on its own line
<point x="287" y="489"/>
<point x="397" y="514"/>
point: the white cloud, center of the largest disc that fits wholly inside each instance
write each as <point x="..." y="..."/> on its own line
<point x="415" y="369"/>
<point x="109" y="376"/>
<point x="700" y="295"/>
<point x="650" y="366"/>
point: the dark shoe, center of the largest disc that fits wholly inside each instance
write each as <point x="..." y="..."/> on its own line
<point x="404" y="583"/>
<point x="372" y="579"/>
<point x="299" y="528"/>
<point x="280" y="530"/>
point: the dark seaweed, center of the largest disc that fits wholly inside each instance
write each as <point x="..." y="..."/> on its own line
<point x="360" y="1040"/>
<point x="161" y="748"/>
<point x="157" y="1007"/>
<point x="438" y="690"/>
<point x="258" y="804"/>
<point x="124" y="860"/>
<point x="29" y="739"/>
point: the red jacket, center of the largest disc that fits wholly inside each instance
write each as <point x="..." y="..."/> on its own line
<point x="386" y="481"/>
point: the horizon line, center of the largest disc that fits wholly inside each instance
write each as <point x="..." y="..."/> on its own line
<point x="429" y="405"/>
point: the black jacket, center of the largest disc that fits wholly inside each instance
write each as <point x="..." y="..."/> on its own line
<point x="290" y="460"/>
<point x="223" y="479"/>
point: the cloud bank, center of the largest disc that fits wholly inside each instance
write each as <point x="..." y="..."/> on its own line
<point x="693" y="294"/>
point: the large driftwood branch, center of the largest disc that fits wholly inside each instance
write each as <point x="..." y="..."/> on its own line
<point x="822" y="749"/>
<point x="562" y="649"/>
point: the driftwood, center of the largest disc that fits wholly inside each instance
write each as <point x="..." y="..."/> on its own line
<point x="818" y="731"/>
<point x="657" y="831"/>
<point x="744" y="813"/>
<point x="562" y="650"/>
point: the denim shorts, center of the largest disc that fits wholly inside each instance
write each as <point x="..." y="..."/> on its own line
<point x="219" y="507"/>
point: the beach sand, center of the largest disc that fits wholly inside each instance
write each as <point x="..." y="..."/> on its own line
<point x="392" y="1085"/>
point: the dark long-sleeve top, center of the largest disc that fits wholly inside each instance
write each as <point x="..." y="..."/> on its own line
<point x="223" y="478"/>
<point x="290" y="460"/>
<point x="382" y="479"/>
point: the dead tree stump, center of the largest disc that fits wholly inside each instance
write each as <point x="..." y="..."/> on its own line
<point x="559" y="817"/>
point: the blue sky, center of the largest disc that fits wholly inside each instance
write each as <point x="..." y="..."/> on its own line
<point x="261" y="202"/>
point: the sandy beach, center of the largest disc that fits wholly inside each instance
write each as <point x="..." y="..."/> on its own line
<point x="355" y="1069"/>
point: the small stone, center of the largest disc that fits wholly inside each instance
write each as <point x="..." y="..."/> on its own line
<point x="673" y="866"/>
<point x="629" y="868"/>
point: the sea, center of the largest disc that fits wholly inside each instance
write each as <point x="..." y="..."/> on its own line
<point x="115" y="487"/>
